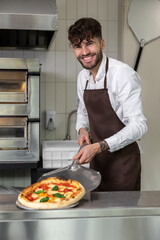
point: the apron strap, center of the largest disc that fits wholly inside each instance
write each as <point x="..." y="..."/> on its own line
<point x="86" y="84"/>
<point x="105" y="78"/>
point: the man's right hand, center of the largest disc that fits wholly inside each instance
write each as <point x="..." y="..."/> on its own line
<point x="83" y="137"/>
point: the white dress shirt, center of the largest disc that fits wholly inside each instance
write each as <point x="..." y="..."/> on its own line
<point x="124" y="91"/>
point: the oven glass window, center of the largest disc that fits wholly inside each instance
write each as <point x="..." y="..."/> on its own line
<point x="13" y="133"/>
<point x="13" y="86"/>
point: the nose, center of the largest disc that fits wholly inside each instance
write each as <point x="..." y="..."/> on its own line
<point x="84" y="50"/>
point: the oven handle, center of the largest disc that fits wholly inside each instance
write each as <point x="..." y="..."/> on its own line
<point x="33" y="120"/>
<point x="33" y="73"/>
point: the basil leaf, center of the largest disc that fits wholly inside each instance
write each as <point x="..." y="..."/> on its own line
<point x="45" y="199"/>
<point x="58" y="195"/>
<point x="55" y="188"/>
<point x="40" y="191"/>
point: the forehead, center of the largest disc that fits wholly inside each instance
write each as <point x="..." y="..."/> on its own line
<point x="85" y="41"/>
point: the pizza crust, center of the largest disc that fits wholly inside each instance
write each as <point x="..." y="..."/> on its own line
<point x="78" y="191"/>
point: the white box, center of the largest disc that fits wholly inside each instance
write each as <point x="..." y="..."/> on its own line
<point x="56" y="154"/>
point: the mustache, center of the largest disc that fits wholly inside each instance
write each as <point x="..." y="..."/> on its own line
<point x="87" y="55"/>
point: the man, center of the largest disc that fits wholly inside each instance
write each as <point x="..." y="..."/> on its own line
<point x="110" y="116"/>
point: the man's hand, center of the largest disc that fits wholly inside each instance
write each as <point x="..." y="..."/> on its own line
<point x="87" y="153"/>
<point x="83" y="137"/>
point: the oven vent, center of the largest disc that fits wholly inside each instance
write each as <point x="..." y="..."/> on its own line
<point x="30" y="24"/>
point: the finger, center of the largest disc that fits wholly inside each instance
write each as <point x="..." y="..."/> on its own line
<point x="82" y="159"/>
<point x="77" y="156"/>
<point x="80" y="141"/>
<point x="87" y="140"/>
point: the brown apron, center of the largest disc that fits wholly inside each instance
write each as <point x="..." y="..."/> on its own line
<point x="121" y="169"/>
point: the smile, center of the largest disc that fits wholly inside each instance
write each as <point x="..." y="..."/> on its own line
<point x="87" y="58"/>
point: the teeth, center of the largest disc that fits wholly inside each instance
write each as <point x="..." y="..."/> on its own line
<point x="87" y="58"/>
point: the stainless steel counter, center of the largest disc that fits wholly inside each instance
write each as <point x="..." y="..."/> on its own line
<point x="105" y="215"/>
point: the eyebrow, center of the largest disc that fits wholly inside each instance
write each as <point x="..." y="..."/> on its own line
<point x="79" y="44"/>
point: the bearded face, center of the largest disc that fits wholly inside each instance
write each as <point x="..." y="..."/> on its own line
<point x="89" y="53"/>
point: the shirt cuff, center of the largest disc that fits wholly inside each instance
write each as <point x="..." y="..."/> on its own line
<point x="113" y="143"/>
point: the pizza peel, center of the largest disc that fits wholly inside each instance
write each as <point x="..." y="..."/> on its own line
<point x="144" y="19"/>
<point x="90" y="179"/>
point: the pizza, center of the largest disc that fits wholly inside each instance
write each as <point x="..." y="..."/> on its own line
<point x="51" y="193"/>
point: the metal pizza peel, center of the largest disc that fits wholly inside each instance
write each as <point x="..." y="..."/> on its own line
<point x="90" y="179"/>
<point x="144" y="21"/>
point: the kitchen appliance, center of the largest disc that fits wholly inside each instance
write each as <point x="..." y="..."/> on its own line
<point x="30" y="24"/>
<point x="89" y="178"/>
<point x="145" y="23"/>
<point x="19" y="110"/>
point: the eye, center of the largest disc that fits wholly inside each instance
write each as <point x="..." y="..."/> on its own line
<point x="89" y="43"/>
<point x="76" y="46"/>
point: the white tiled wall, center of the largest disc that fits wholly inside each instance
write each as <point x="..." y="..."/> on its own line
<point x="60" y="67"/>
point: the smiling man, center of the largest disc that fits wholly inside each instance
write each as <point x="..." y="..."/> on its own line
<point x="110" y="115"/>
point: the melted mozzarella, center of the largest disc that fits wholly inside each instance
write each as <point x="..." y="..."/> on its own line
<point x="68" y="194"/>
<point x="34" y="195"/>
<point x="51" y="192"/>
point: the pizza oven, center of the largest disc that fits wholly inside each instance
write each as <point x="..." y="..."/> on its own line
<point x="19" y="110"/>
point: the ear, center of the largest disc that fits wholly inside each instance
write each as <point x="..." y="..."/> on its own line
<point x="102" y="44"/>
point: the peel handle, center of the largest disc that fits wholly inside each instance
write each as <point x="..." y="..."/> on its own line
<point x="74" y="164"/>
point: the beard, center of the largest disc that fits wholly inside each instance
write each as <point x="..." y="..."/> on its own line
<point x="90" y="66"/>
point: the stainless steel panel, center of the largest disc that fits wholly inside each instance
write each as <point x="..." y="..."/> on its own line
<point x="30" y="64"/>
<point x="107" y="215"/>
<point x="36" y="15"/>
<point x="33" y="97"/>
<point x="32" y="22"/>
<point x="14" y="109"/>
<point x="14" y="144"/>
<point x="12" y="97"/>
<point x="143" y="228"/>
<point x="13" y="63"/>
<point x="33" y="140"/>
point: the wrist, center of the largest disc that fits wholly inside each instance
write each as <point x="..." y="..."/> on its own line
<point x="103" y="146"/>
<point x="83" y="132"/>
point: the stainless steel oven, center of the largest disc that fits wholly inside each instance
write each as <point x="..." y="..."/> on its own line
<point x="19" y="110"/>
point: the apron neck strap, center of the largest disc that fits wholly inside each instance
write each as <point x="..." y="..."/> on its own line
<point x="105" y="78"/>
<point x="86" y="84"/>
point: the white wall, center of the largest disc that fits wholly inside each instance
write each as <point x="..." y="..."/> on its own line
<point x="149" y="71"/>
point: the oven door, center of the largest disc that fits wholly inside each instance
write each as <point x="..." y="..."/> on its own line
<point x="13" y="86"/>
<point x="13" y="133"/>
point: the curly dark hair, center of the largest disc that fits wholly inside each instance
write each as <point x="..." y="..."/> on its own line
<point x="84" y="28"/>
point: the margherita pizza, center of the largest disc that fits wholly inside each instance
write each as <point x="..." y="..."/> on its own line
<point x="51" y="193"/>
